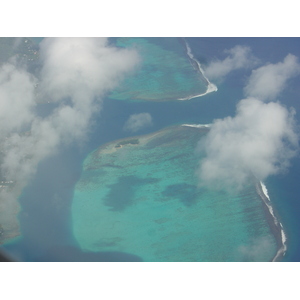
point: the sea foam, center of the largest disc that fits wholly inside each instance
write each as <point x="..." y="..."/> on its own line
<point x="197" y="125"/>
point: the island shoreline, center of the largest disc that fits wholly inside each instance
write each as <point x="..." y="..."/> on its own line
<point x="272" y="218"/>
<point x="275" y="224"/>
<point x="197" y="66"/>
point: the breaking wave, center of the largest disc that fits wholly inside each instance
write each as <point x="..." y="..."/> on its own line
<point x="197" y="66"/>
<point x="267" y="201"/>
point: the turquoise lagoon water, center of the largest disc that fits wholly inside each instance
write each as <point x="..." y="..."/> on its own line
<point x="165" y="72"/>
<point x="141" y="196"/>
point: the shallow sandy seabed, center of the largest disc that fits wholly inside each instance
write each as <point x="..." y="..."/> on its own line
<point x="144" y="199"/>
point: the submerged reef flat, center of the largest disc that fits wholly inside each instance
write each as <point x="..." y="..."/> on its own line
<point x="165" y="73"/>
<point x="141" y="196"/>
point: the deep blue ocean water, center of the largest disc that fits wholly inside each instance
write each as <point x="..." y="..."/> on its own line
<point x="45" y="216"/>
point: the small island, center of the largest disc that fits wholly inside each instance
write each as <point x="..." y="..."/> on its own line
<point x="127" y="142"/>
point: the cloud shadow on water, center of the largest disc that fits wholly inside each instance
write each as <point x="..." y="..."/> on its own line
<point x="72" y="254"/>
<point x="122" y="193"/>
<point x="186" y="193"/>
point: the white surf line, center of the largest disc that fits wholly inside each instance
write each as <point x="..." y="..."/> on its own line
<point x="191" y="56"/>
<point x="264" y="189"/>
<point x="197" y="125"/>
<point x="283" y="248"/>
<point x="265" y="192"/>
<point x="210" y="86"/>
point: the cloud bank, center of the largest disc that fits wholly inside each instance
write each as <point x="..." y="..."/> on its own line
<point x="137" y="122"/>
<point x="259" y="141"/>
<point x="268" y="81"/>
<point x="16" y="98"/>
<point x="238" y="57"/>
<point x="82" y="67"/>
<point x="75" y="73"/>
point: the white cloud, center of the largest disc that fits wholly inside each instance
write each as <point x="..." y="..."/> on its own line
<point x="76" y="72"/>
<point x="239" y="57"/>
<point x="137" y="122"/>
<point x="268" y="81"/>
<point x="78" y="69"/>
<point x="82" y="67"/>
<point x="259" y="141"/>
<point x="17" y="98"/>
